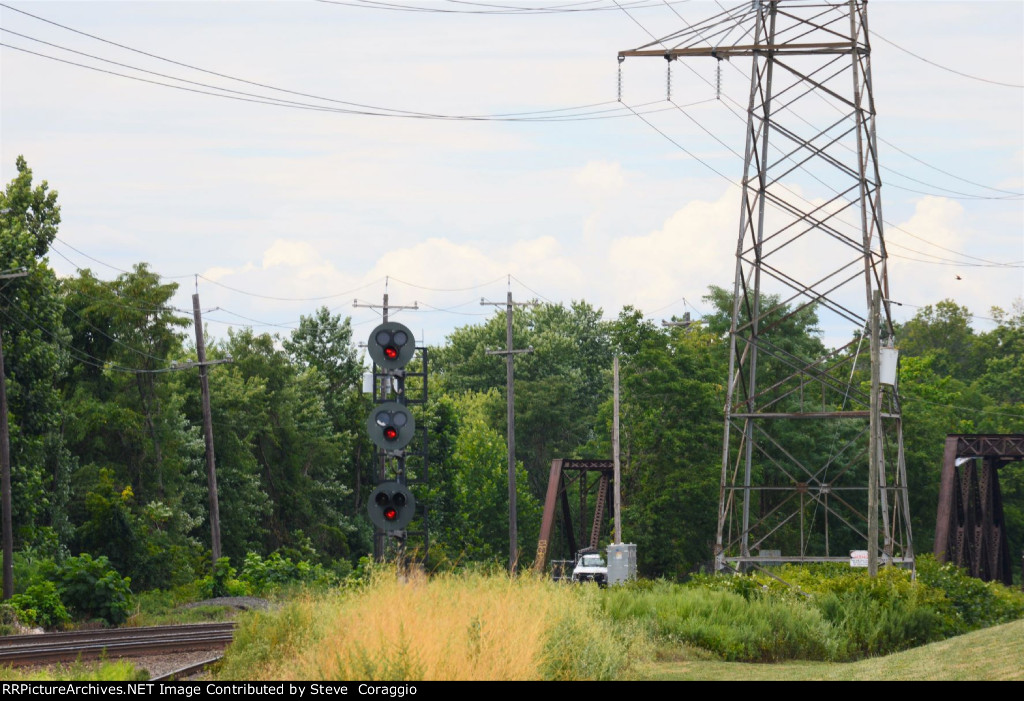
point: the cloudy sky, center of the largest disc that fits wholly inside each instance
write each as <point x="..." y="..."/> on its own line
<point x="346" y="191"/>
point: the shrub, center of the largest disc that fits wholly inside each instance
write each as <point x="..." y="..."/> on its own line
<point x="93" y="589"/>
<point x="969" y="603"/>
<point x="40" y="605"/>
<point x="276" y="571"/>
<point x="222" y="581"/>
<point x="754" y="629"/>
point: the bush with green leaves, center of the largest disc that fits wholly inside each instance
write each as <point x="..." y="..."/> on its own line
<point x="222" y="581"/>
<point x="264" y="575"/>
<point x="40" y="605"/>
<point x="758" y="629"/>
<point x="92" y="588"/>
<point x="970" y="603"/>
<point x="829" y="611"/>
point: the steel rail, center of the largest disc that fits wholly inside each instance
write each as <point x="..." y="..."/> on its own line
<point x="19" y="650"/>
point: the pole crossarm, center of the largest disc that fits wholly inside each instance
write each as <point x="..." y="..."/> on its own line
<point x="727" y="52"/>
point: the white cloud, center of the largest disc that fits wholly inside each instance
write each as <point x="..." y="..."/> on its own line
<point x="289" y="253"/>
<point x="600" y="179"/>
<point x="693" y="248"/>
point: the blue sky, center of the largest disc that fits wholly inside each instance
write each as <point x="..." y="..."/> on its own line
<point x="297" y="208"/>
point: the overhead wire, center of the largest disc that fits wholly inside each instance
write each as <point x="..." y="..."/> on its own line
<point x="291" y="299"/>
<point x="1011" y="193"/>
<point x="444" y="289"/>
<point x="75" y="353"/>
<point x="945" y="68"/>
<point x="374" y="110"/>
<point x="575" y="113"/>
<point x="988" y="262"/>
<point x="491" y="8"/>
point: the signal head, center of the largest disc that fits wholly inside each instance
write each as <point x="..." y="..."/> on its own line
<point x="391" y="426"/>
<point x="391" y="345"/>
<point x="391" y="506"/>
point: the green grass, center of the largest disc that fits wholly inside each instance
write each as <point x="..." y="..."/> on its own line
<point x="167" y="607"/>
<point x="993" y="654"/>
<point x="104" y="671"/>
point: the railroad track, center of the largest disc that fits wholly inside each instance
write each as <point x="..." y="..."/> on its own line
<point x="115" y="642"/>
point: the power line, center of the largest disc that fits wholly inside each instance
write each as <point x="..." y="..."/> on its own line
<point x="598" y="114"/>
<point x="494" y="8"/>
<point x="945" y="68"/>
<point x="575" y="113"/>
<point x="912" y="398"/>
<point x="449" y="289"/>
<point x="946" y="172"/>
<point x="76" y="354"/>
<point x="889" y="224"/>
<point x="697" y="31"/>
<point x="291" y="299"/>
<point x="95" y="260"/>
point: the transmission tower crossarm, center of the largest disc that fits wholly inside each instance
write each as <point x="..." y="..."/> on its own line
<point x="727" y="52"/>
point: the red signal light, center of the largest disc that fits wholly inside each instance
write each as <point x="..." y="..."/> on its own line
<point x="390" y="513"/>
<point x="390" y="433"/>
<point x="391" y="353"/>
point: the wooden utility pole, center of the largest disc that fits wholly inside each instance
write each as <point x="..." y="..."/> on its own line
<point x="509" y="353"/>
<point x="211" y="469"/>
<point x="874" y="440"/>
<point x="5" y="469"/>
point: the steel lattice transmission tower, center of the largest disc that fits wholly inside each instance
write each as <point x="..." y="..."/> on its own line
<point x="799" y="433"/>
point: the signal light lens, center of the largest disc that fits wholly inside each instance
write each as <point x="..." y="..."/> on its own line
<point x="390" y="433"/>
<point x="390" y="513"/>
<point x="390" y="352"/>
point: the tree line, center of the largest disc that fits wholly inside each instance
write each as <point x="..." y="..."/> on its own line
<point x="107" y="451"/>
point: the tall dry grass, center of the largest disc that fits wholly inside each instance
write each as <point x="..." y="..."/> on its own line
<point x="450" y="627"/>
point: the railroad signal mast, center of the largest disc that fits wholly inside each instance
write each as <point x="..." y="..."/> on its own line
<point x="392" y="428"/>
<point x="812" y="459"/>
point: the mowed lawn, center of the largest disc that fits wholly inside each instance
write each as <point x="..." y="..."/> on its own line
<point x="993" y="654"/>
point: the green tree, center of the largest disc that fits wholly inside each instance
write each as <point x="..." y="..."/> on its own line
<point x="471" y="496"/>
<point x="558" y="387"/>
<point x="35" y="353"/>
<point x="944" y="333"/>
<point x="298" y="457"/>
<point x="322" y="344"/>
<point x="671" y="387"/>
<point x="124" y="421"/>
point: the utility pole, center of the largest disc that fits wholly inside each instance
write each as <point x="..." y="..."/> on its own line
<point x="385" y="388"/>
<point x="615" y="452"/>
<point x="509" y="353"/>
<point x="874" y="437"/>
<point x="211" y="469"/>
<point x="5" y="468"/>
